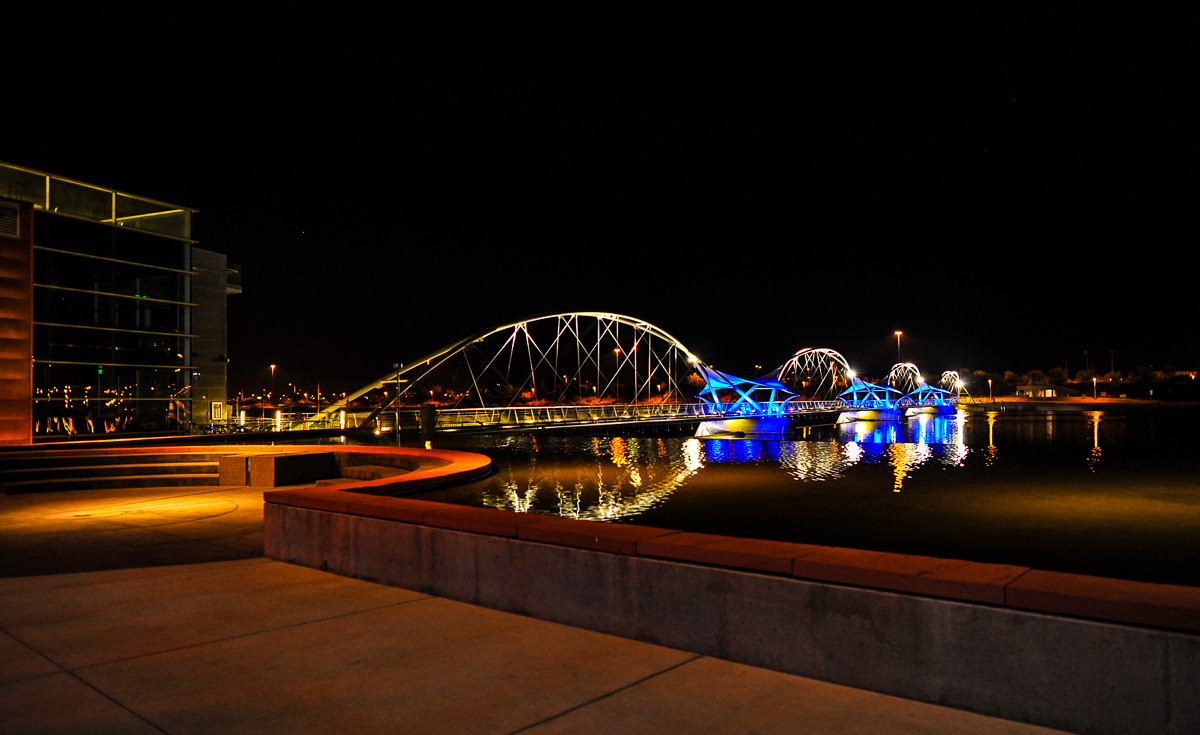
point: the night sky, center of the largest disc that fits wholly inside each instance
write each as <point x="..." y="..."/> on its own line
<point x="1006" y="189"/>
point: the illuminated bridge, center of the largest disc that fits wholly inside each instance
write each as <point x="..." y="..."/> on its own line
<point x="604" y="369"/>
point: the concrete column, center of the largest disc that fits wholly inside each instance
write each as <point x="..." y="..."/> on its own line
<point x="428" y="420"/>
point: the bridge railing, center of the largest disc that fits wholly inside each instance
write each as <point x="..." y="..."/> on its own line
<point x="516" y="416"/>
<point x="299" y="421"/>
<point x="872" y="404"/>
<point x="462" y="418"/>
<point x="794" y="407"/>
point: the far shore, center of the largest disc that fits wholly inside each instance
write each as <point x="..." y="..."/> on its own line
<point x="1077" y="402"/>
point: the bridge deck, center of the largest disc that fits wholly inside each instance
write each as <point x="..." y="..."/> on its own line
<point x="539" y="417"/>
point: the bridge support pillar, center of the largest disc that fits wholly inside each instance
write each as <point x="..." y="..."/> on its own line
<point x="762" y="426"/>
<point x="428" y="420"/>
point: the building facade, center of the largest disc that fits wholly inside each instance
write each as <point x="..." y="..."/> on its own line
<point x="126" y="333"/>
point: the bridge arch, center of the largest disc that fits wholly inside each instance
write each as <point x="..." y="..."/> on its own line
<point x="816" y="373"/>
<point x="905" y="377"/>
<point x="950" y="381"/>
<point x="562" y="357"/>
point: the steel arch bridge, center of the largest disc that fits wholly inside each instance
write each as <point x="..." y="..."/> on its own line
<point x="578" y="358"/>
<point x="594" y="368"/>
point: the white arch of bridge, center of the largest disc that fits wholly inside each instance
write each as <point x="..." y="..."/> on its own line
<point x="815" y="372"/>
<point x="905" y="377"/>
<point x="549" y="344"/>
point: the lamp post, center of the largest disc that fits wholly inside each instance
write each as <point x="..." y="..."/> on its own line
<point x="633" y="354"/>
<point x="1093" y="387"/>
<point x="989" y="390"/>
<point x="898" y="333"/>
<point x="617" y="369"/>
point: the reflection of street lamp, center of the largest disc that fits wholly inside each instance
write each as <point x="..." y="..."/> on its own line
<point x="898" y="346"/>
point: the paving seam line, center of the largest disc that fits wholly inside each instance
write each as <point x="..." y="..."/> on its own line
<point x="64" y="670"/>
<point x="254" y="633"/>
<point x="606" y="695"/>
<point x="237" y="562"/>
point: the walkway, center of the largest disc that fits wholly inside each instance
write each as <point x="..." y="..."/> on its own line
<point x="152" y="611"/>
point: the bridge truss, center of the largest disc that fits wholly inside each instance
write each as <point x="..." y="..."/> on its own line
<point x="577" y="358"/>
<point x="816" y="373"/>
<point x="951" y="381"/>
<point x="905" y="377"/>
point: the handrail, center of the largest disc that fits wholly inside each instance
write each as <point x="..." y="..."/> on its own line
<point x="518" y="416"/>
<point x="514" y="416"/>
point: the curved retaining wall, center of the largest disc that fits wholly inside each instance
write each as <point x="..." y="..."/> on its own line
<point x="1080" y="653"/>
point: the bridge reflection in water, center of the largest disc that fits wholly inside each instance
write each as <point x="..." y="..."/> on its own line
<point x="611" y="478"/>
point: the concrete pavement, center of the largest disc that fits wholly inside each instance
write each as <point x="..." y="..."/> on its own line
<point x="153" y="611"/>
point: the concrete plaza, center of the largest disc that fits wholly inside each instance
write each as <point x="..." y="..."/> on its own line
<point x="153" y="610"/>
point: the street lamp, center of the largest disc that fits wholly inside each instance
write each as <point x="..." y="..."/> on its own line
<point x="898" y="333"/>
<point x="1093" y="387"/>
<point x="989" y="390"/>
<point x="617" y="369"/>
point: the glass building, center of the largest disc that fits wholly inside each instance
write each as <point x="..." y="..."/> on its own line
<point x="127" y="335"/>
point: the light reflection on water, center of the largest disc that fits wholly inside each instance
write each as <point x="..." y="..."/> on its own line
<point x="609" y="478"/>
<point x="1109" y="493"/>
<point x="593" y="478"/>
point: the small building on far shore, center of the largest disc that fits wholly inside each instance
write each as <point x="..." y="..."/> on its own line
<point x="1045" y="390"/>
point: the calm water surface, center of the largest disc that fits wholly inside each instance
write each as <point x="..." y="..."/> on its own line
<point x="1113" y="493"/>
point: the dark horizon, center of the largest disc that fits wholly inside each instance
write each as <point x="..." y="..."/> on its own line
<point x="1000" y="192"/>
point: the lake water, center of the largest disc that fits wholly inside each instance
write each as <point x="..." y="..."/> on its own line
<point x="1111" y="492"/>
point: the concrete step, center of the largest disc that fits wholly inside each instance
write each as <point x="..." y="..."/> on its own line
<point x="65" y="459"/>
<point x="56" y="472"/>
<point x="58" y="484"/>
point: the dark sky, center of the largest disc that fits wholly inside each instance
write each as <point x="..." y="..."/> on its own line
<point x="1005" y="189"/>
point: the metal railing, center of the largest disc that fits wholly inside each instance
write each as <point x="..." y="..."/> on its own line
<point x="870" y="404"/>
<point x="528" y="416"/>
<point x="514" y="417"/>
<point x="289" y="422"/>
